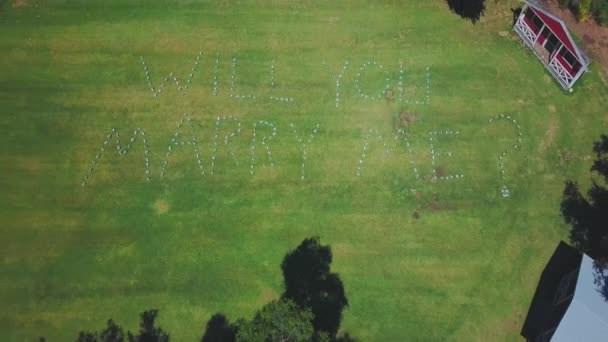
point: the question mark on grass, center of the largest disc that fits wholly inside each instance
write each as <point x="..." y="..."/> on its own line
<point x="504" y="190"/>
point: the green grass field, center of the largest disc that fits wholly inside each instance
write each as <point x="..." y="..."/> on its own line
<point x="191" y="244"/>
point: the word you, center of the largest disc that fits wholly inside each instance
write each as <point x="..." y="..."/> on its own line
<point x="360" y="88"/>
<point x="263" y="132"/>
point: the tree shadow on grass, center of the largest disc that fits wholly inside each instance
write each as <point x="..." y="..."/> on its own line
<point x="148" y="332"/>
<point x="468" y="9"/>
<point x="309" y="283"/>
<point x="219" y="329"/>
<point x="588" y="216"/>
<point x="112" y="333"/>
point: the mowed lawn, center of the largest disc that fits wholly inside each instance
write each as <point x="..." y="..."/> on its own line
<point x="421" y="260"/>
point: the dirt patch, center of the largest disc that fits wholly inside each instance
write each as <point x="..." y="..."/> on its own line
<point x="552" y="108"/>
<point x="161" y="207"/>
<point x="343" y="249"/>
<point x="407" y="118"/>
<point x="595" y="37"/>
<point x="505" y="34"/>
<point x="430" y="204"/>
<point x="30" y="165"/>
<point x="565" y="157"/>
<point x="438" y="207"/>
<point x="389" y="95"/>
<point x="409" y="90"/>
<point x="588" y="39"/>
<point x="440" y="171"/>
<point x="514" y="321"/>
<point x="267" y="295"/>
<point x="21" y="3"/>
<point x="549" y="137"/>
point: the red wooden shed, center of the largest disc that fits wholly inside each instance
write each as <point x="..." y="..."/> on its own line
<point x="548" y="37"/>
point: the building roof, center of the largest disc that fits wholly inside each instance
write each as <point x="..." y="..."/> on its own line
<point x="559" y="28"/>
<point x="587" y="316"/>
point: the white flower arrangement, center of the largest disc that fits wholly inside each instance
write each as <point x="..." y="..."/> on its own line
<point x="358" y="88"/>
<point x="215" y="72"/>
<point x="156" y="91"/>
<point x="304" y="144"/>
<point x="176" y="142"/>
<point x="265" y="142"/>
<point x="427" y="95"/>
<point x="436" y="155"/>
<point x="121" y="152"/>
<point x="387" y="149"/>
<point x="504" y="190"/>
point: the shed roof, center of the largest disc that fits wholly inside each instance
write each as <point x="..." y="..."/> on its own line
<point x="587" y="316"/>
<point x="559" y="28"/>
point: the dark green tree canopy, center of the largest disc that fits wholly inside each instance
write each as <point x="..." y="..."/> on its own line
<point x="86" y="336"/>
<point x="219" y="329"/>
<point x="310" y="309"/>
<point x="468" y="9"/>
<point x="279" y="321"/>
<point x="147" y="331"/>
<point x="309" y="283"/>
<point x="112" y="333"/>
<point x="303" y="267"/>
<point x="588" y="216"/>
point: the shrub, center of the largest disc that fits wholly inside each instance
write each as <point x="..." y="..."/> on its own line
<point x="584" y="10"/>
<point x="567" y="3"/>
<point x="600" y="11"/>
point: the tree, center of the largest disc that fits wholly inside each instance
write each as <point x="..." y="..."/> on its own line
<point x="219" y="329"/>
<point x="112" y="333"/>
<point x="600" y="279"/>
<point x="85" y="336"/>
<point x="585" y="8"/>
<point x="310" y="309"/>
<point x="588" y="218"/>
<point x="147" y="331"/>
<point x="279" y="321"/>
<point x="309" y="283"/>
<point x="468" y="9"/>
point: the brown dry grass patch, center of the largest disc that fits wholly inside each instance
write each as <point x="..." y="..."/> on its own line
<point x="550" y="133"/>
<point x="161" y="206"/>
<point x="268" y="294"/>
<point x="21" y="3"/>
<point x="30" y="165"/>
